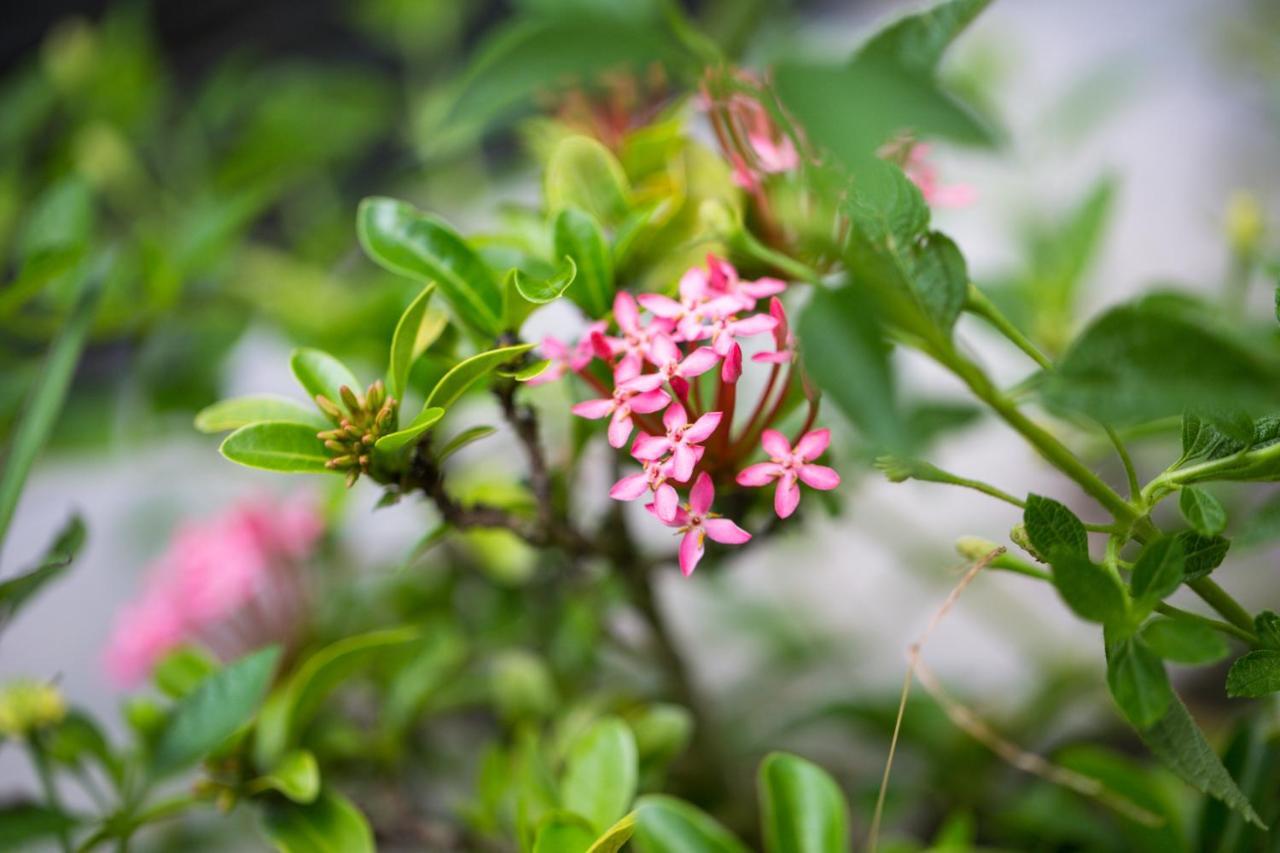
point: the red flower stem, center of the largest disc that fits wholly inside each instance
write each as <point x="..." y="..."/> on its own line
<point x="726" y="401"/>
<point x="760" y="404"/>
<point x="808" y="421"/>
<point x="698" y="407"/>
<point x="750" y="439"/>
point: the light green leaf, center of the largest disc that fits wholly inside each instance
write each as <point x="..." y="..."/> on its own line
<point x="1138" y="682"/>
<point x="667" y="825"/>
<point x="563" y="832"/>
<point x="329" y="824"/>
<point x="213" y="712"/>
<point x="292" y="706"/>
<point x="616" y="836"/>
<point x="297" y="776"/>
<point x="1184" y="641"/>
<point x="183" y="670"/>
<point x="578" y="235"/>
<point x="540" y="291"/>
<point x="1255" y="674"/>
<point x="292" y="448"/>
<point x="424" y="421"/>
<point x="601" y="773"/>
<point x="1203" y="553"/>
<point x="1052" y="527"/>
<point x="1202" y="511"/>
<point x="529" y="371"/>
<point x="416" y="330"/>
<point x="466" y="373"/>
<point x="802" y="808"/>
<point x="242" y="411"/>
<point x="321" y="374"/>
<point x="410" y="243"/>
<point x="1089" y="590"/>
<point x="584" y="174"/>
<point x="462" y="439"/>
<point x="1157" y="572"/>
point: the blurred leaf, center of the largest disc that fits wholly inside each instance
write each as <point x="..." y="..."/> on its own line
<point x="297" y="776"/>
<point x="600" y="773"/>
<point x="77" y="738"/>
<point x="456" y="382"/>
<point x="291" y="448"/>
<point x="531" y="291"/>
<point x="295" y="703"/>
<point x="16" y="591"/>
<point x="416" y="330"/>
<point x="1267" y="626"/>
<point x="563" y="832"/>
<point x="320" y="374"/>
<point x="667" y="825"/>
<point x="213" y="712"/>
<point x="1158" y="571"/>
<point x="1089" y="590"/>
<point x="1184" y="641"/>
<point x="414" y="244"/>
<point x="1140" y="785"/>
<point x="422" y="422"/>
<point x="802" y="808"/>
<point x="1202" y="511"/>
<point x="183" y="670"/>
<point x="330" y="824"/>
<point x="462" y="439"/>
<point x="916" y="42"/>
<point x="579" y="236"/>
<point x="241" y="411"/>
<point x="60" y="222"/>
<point x="662" y="732"/>
<point x="1203" y="553"/>
<point x="23" y="824"/>
<point x="584" y="175"/>
<point x="1253" y="757"/>
<point x="1255" y="674"/>
<point x="1052" y="527"/>
<point x="1138" y="682"/>
<point x="1262" y="526"/>
<point x="616" y="836"/>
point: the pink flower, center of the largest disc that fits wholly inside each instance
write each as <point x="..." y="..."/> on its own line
<point x="637" y="338"/>
<point x="652" y="479"/>
<point x="565" y="359"/>
<point x="145" y="631"/>
<point x="925" y="176"/>
<point x="723" y="330"/>
<point x="697" y="522"/>
<point x="784" y="343"/>
<point x="634" y="393"/>
<point x="680" y="441"/>
<point x="787" y="466"/>
<point x="673" y="365"/>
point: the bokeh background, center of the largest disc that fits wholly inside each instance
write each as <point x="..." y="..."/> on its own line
<point x="232" y="139"/>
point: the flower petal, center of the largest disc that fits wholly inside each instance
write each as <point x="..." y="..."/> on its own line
<point x="813" y="444"/>
<point x="775" y="444"/>
<point x="731" y="369"/>
<point x="787" y="497"/>
<point x="756" y="324"/>
<point x="593" y="408"/>
<point x="698" y="362"/>
<point x="619" y="428"/>
<point x="630" y="487"/>
<point x="661" y="306"/>
<point x="819" y="477"/>
<point x="690" y="551"/>
<point x="625" y="312"/>
<point x="702" y="494"/>
<point x="724" y="530"/>
<point x="650" y="447"/>
<point x="760" y="474"/>
<point x="703" y="427"/>
<point x="682" y="461"/>
<point x="666" y="503"/>
<point x="649" y="401"/>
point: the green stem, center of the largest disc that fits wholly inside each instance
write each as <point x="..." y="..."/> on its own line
<point x="979" y="305"/>
<point x="788" y="266"/>
<point x="1220" y="600"/>
<point x="41" y="762"/>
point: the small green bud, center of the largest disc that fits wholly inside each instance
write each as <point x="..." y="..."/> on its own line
<point x="27" y="705"/>
<point x="352" y="402"/>
<point x="329" y="408"/>
<point x="974" y="547"/>
<point x="1018" y="536"/>
<point x="1245" y="222"/>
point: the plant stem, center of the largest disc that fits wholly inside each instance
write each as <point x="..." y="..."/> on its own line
<point x="41" y="763"/>
<point x="1135" y="488"/>
<point x="791" y="268"/>
<point x="978" y="304"/>
<point x="1220" y="600"/>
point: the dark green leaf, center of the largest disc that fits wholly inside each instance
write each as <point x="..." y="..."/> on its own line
<point x="329" y="824"/>
<point x="601" y="773"/>
<point x="465" y="374"/>
<point x="1052" y="527"/>
<point x="413" y="244"/>
<point x="23" y="824"/>
<point x="578" y="235"/>
<point x="1184" y="641"/>
<point x="1267" y="626"/>
<point x="214" y="711"/>
<point x="242" y="411"/>
<point x="667" y="825"/>
<point x="15" y="592"/>
<point x="1138" y="682"/>
<point x="1203" y="553"/>
<point x="1088" y="589"/>
<point x="416" y="330"/>
<point x="802" y="808"/>
<point x="1202" y="511"/>
<point x="424" y="421"/>
<point x="1158" y="571"/>
<point x="916" y="43"/>
<point x="291" y="448"/>
<point x="1255" y="674"/>
<point x="321" y="374"/>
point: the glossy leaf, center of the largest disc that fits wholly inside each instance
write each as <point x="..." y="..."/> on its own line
<point x="297" y="777"/>
<point x="320" y="373"/>
<point x="1184" y="641"/>
<point x="616" y="836"/>
<point x="1255" y="674"/>
<point x="540" y="291"/>
<point x="329" y="824"/>
<point x="291" y="448"/>
<point x="1157" y="572"/>
<point x="424" y="421"/>
<point x="1089" y="590"/>
<point x="578" y="235"/>
<point x="242" y="411"/>
<point x="465" y="374"/>
<point x="1203" y="511"/>
<point x="802" y="808"/>
<point x="214" y="711"/>
<point x="668" y="825"/>
<point x="416" y="330"/>
<point x="410" y="243"/>
<point x="1138" y="682"/>
<point x="17" y="591"/>
<point x="600" y="774"/>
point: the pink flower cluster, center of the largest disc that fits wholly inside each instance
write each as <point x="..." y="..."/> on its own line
<point x="683" y="357"/>
<point x="230" y="583"/>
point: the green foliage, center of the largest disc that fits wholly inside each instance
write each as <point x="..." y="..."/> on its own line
<point x="416" y="330"/>
<point x="802" y="808"/>
<point x="329" y="824"/>
<point x="296" y="776"/>
<point x="1051" y="527"/>
<point x="578" y="235"/>
<point x="321" y="375"/>
<point x="1138" y="682"/>
<point x="24" y="824"/>
<point x="470" y="371"/>
<point x="17" y="591"/>
<point x="1158" y="571"/>
<point x="241" y="411"/>
<point x="1088" y="589"/>
<point x="583" y="175"/>
<point x="1203" y="553"/>
<point x="1203" y="511"/>
<point x="1184" y="641"/>
<point x="421" y="423"/>
<point x="668" y="825"/>
<point x="600" y="773"/>
<point x="1255" y="674"/>
<point x="277" y="446"/>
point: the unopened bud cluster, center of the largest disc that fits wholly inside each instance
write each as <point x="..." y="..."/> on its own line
<point x="360" y="422"/>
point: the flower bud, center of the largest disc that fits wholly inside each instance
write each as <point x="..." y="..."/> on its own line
<point x="27" y="706"/>
<point x="1018" y="536"/>
<point x="1245" y="222"/>
<point x="349" y="398"/>
<point x="974" y="547"/>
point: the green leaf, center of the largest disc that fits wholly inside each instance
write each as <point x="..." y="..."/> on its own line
<point x="1262" y="526"/>
<point x="242" y="411"/>
<point x="297" y="777"/>
<point x="466" y="373"/>
<point x="563" y="832"/>
<point x="584" y="174"/>
<point x="601" y="773"/>
<point x="329" y="824"/>
<point x="40" y="410"/>
<point x="802" y="808"/>
<point x="416" y="330"/>
<point x="616" y="836"/>
<point x="578" y="235"/>
<point x="540" y="291"/>
<point x="15" y="592"/>
<point x="846" y="355"/>
<point x="1202" y="511"/>
<point x="1052" y="527"/>
<point x="413" y="244"/>
<point x="1203" y="553"/>
<point x="23" y="824"/>
<point x="1267" y="626"/>
<point x="1177" y="741"/>
<point x="916" y="43"/>
<point x="1184" y="641"/>
<point x="667" y="825"/>
<point x="424" y="421"/>
<point x="462" y="439"/>
<point x="1138" y="682"/>
<point x="1158" y="358"/>
<point x="1158" y="571"/>
<point x="183" y="670"/>
<point x="292" y="706"/>
<point x="1255" y="674"/>
<point x="213" y="712"/>
<point x="321" y="374"/>
<point x="1089" y="590"/>
<point x="292" y="448"/>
